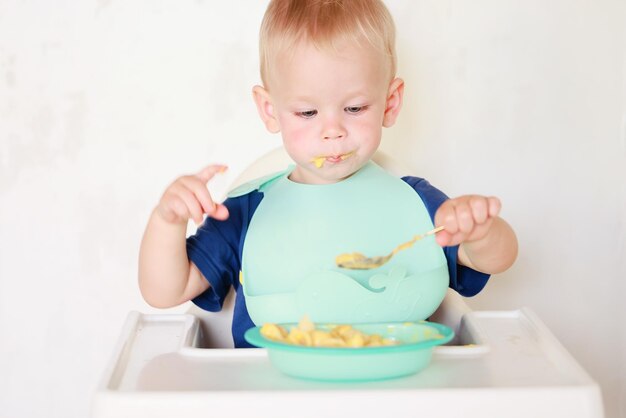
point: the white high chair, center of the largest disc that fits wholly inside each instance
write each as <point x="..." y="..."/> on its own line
<point x="500" y="364"/>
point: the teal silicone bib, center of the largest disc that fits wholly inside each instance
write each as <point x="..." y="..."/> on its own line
<point x="288" y="262"/>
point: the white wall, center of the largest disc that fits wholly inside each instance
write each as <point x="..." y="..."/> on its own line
<point x="103" y="103"/>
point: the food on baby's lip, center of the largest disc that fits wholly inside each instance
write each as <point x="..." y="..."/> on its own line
<point x="319" y="161"/>
<point x="306" y="334"/>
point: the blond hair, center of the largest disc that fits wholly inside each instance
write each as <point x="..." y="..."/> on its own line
<point x="326" y="24"/>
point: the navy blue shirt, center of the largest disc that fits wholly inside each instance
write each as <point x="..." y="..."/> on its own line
<point x="216" y="249"/>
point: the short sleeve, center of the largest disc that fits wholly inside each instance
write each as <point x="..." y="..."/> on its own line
<point x="214" y="249"/>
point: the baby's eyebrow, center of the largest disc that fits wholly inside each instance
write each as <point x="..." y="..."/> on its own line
<point x="302" y="103"/>
<point x="358" y="98"/>
<point x="303" y="98"/>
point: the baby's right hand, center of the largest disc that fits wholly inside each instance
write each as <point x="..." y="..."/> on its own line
<point x="188" y="198"/>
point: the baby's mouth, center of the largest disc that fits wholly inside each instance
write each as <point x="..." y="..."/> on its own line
<point x="333" y="159"/>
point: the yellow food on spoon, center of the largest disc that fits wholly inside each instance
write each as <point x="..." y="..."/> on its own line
<point x="306" y="334"/>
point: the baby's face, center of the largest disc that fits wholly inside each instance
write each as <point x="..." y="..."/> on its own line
<point x="330" y="109"/>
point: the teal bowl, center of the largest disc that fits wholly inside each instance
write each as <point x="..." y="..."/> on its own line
<point x="416" y="341"/>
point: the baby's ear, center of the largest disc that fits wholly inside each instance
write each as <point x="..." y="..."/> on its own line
<point x="394" y="102"/>
<point x="265" y="107"/>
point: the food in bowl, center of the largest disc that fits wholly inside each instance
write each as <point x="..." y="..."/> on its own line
<point x="306" y="334"/>
<point x="411" y="352"/>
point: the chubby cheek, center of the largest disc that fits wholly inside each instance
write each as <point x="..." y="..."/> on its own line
<point x="296" y="137"/>
<point x="368" y="132"/>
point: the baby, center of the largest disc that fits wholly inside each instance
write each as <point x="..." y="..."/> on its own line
<point x="329" y="87"/>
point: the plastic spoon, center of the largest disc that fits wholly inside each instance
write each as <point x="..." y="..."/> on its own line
<point x="357" y="261"/>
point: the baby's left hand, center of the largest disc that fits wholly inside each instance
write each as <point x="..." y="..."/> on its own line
<point x="465" y="218"/>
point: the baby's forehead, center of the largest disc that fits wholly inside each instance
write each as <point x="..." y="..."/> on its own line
<point x="300" y="55"/>
<point x="318" y="76"/>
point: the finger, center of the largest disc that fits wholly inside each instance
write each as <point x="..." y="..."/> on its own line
<point x="464" y="217"/>
<point x="445" y="239"/>
<point x="221" y="212"/>
<point x="494" y="206"/>
<point x="446" y="216"/>
<point x="480" y="209"/>
<point x="192" y="205"/>
<point x="209" y="171"/>
<point x="201" y="193"/>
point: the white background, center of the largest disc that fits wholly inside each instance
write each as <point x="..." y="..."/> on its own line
<point x="104" y="102"/>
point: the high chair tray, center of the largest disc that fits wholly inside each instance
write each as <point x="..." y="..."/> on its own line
<point x="504" y="363"/>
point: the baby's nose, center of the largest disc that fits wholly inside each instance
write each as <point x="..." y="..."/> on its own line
<point x="334" y="131"/>
<point x="332" y="127"/>
<point x="337" y="135"/>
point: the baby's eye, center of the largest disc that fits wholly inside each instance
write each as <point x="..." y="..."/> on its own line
<point x="355" y="109"/>
<point x="307" y="114"/>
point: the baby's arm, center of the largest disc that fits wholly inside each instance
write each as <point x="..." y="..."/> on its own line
<point x="487" y="243"/>
<point x="166" y="276"/>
